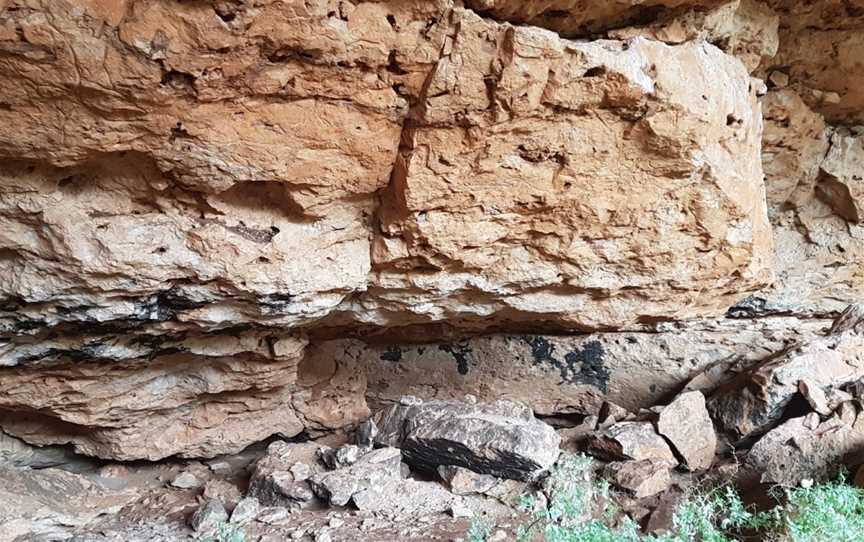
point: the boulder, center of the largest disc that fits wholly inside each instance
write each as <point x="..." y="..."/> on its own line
<point x="501" y="439"/>
<point x="686" y="424"/>
<point x="280" y="476"/>
<point x="630" y="440"/>
<point x="641" y="478"/>
<point x="804" y="448"/>
<point x="462" y="481"/>
<point x="756" y="400"/>
<point x="367" y="474"/>
<point x="208" y="517"/>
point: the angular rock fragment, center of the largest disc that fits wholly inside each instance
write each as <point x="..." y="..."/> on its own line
<point x="185" y="480"/>
<point x="208" y="516"/>
<point x="686" y="424"/>
<point x="630" y="440"/>
<point x="278" y="481"/>
<point x="462" y="481"/>
<point x="794" y="144"/>
<point x="642" y="478"/>
<point x="841" y="180"/>
<point x="368" y="473"/>
<point x="365" y="435"/>
<point x="815" y="396"/>
<point x="501" y="439"/>
<point x="225" y="492"/>
<point x="797" y="450"/>
<point x="757" y="399"/>
<point x="246" y="510"/>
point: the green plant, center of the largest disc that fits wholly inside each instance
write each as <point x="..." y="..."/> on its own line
<point x="829" y="512"/>
<point x="478" y="531"/>
<point x="226" y="532"/>
<point x="580" y="509"/>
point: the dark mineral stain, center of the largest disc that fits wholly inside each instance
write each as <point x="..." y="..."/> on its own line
<point x="460" y="352"/>
<point x="749" y="307"/>
<point x="581" y="366"/>
<point x="393" y="353"/>
<point x="589" y="361"/>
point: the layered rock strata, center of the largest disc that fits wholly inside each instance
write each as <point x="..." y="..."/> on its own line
<point x="189" y="191"/>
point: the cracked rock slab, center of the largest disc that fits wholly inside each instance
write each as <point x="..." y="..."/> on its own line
<point x="501" y="439"/>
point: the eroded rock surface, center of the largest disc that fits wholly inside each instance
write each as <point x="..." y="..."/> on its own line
<point x="758" y="398"/>
<point x="502" y="439"/>
<point x="210" y="398"/>
<point x="188" y="174"/>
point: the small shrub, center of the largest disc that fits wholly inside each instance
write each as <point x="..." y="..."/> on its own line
<point x="478" y="531"/>
<point x="830" y="512"/>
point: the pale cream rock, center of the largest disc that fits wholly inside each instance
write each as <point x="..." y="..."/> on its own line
<point x="841" y="183"/>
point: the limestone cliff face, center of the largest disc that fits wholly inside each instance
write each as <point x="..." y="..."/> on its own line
<point x="190" y="191"/>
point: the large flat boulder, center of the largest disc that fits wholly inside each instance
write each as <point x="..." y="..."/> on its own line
<point x="502" y="439"/>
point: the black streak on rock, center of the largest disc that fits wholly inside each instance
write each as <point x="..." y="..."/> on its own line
<point x="581" y="366"/>
<point x="393" y="353"/>
<point x="460" y="352"/>
<point x="590" y="362"/>
<point x="750" y="307"/>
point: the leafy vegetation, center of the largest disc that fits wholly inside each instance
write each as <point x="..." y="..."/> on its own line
<point x="580" y="509"/>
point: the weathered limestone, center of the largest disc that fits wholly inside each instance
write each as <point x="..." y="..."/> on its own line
<point x="188" y="175"/>
<point x="501" y="439"/>
<point x="567" y="374"/>
<point x="841" y="181"/>
<point x="631" y="440"/>
<point x="820" y="50"/>
<point x="746" y="29"/>
<point x="687" y="426"/>
<point x="757" y="399"/>
<point x="794" y="144"/>
<point x="534" y="225"/>
<point x="209" y="399"/>
<point x="230" y="169"/>
<point x="805" y="448"/>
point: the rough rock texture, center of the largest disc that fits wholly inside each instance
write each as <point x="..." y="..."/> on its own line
<point x="820" y="49"/>
<point x="568" y="374"/>
<point x="202" y="171"/>
<point x="214" y="396"/>
<point x="642" y="478"/>
<point x="631" y="440"/>
<point x="42" y="503"/>
<point x="213" y="151"/>
<point x="338" y="487"/>
<point x="687" y="426"/>
<point x="280" y="476"/>
<point x="747" y="29"/>
<point x="501" y="439"/>
<point x="758" y="398"/>
<point x="575" y="17"/>
<point x="803" y="448"/>
<point x="193" y="190"/>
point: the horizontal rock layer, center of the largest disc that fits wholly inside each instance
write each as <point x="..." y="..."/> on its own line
<point x="193" y="191"/>
<point x="375" y="164"/>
